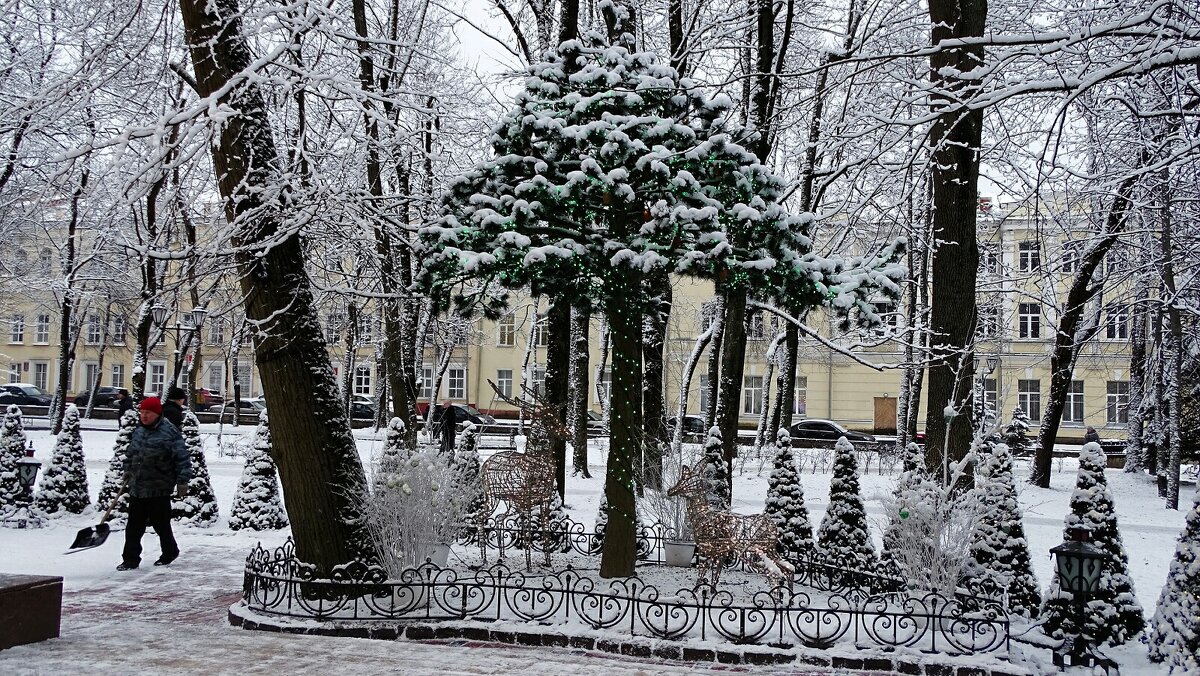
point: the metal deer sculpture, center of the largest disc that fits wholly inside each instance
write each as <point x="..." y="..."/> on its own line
<point x="721" y="534"/>
<point x="524" y="481"/>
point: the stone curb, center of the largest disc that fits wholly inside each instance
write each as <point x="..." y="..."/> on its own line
<point x="634" y="647"/>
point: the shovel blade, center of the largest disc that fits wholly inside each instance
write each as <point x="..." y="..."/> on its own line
<point x="90" y="537"/>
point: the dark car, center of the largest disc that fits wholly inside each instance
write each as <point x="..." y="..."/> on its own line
<point x="360" y="411"/>
<point x="23" y="394"/>
<point x="105" y="397"/>
<point x="245" y="407"/>
<point x="693" y="425"/>
<point x="825" y="432"/>
<point x="464" y="414"/>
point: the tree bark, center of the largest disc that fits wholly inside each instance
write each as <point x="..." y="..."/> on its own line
<point x="580" y="323"/>
<point x="733" y="365"/>
<point x="319" y="467"/>
<point x="658" y="289"/>
<point x="1174" y="367"/>
<point x="558" y="367"/>
<point x="954" y="138"/>
<point x="1134" y="462"/>
<point x="66" y="346"/>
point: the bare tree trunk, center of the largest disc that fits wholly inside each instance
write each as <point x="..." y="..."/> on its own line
<point x="603" y="397"/>
<point x="66" y="346"/>
<point x="733" y="364"/>
<point x="318" y="463"/>
<point x="526" y="371"/>
<point x="1174" y="367"/>
<point x="714" y="363"/>
<point x="1137" y="379"/>
<point x="558" y="366"/>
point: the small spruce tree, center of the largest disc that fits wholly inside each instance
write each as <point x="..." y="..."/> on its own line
<point x="998" y="543"/>
<point x="785" y="503"/>
<point x="1174" y="636"/>
<point x="1113" y="613"/>
<point x="12" y="449"/>
<point x="466" y="462"/>
<point x="199" y="507"/>
<point x="1016" y="434"/>
<point x="715" y="471"/>
<point x="114" y="479"/>
<point x="64" y="487"/>
<point x="393" y="453"/>
<point x="257" y="505"/>
<point x="842" y="539"/>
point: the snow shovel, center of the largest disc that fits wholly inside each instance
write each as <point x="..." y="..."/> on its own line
<point x="95" y="536"/>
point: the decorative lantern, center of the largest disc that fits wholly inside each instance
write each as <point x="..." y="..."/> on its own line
<point x="1079" y="565"/>
<point x="27" y="469"/>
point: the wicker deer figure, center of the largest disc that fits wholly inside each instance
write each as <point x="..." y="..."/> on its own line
<point x="721" y="534"/>
<point x="524" y="481"/>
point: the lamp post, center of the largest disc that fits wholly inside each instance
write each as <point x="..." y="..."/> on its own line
<point x="992" y="362"/>
<point x="1079" y="565"/>
<point x="185" y="332"/>
<point x="23" y="515"/>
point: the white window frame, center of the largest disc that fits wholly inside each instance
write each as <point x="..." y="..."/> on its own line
<point x="215" y="376"/>
<point x="41" y="335"/>
<point x="705" y="392"/>
<point x="1029" y="256"/>
<point x="333" y="327"/>
<point x="506" y="331"/>
<point x="362" y="379"/>
<point x="1073" y="411"/>
<point x="41" y="375"/>
<point x="245" y="378"/>
<point x="16" y="333"/>
<point x="539" y="381"/>
<point x="504" y="381"/>
<point x="427" y="392"/>
<point x="93" y="332"/>
<point x="216" y="331"/>
<point x="14" y="372"/>
<point x="541" y="337"/>
<point x="990" y="322"/>
<point x="989" y="258"/>
<point x="800" y="400"/>
<point x="752" y="395"/>
<point x="1116" y="322"/>
<point x="117" y="375"/>
<point x="1029" y="321"/>
<point x="1072" y="255"/>
<point x="156" y="378"/>
<point x="456" y="382"/>
<point x="120" y="326"/>
<point x="1116" y="400"/>
<point x="991" y="397"/>
<point x="756" y="326"/>
<point x="88" y="374"/>
<point x="1029" y="398"/>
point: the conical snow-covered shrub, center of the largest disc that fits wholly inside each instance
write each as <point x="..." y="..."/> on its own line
<point x="466" y="461"/>
<point x="1016" y="434"/>
<point x="12" y="449"/>
<point x="785" y="504"/>
<point x="1174" y="636"/>
<point x="64" y="487"/>
<point x="199" y="508"/>
<point x="715" y="471"/>
<point x="843" y="540"/>
<point x="257" y="505"/>
<point x="394" y="451"/>
<point x="114" y="476"/>
<point x="998" y="544"/>
<point x="1113" y="614"/>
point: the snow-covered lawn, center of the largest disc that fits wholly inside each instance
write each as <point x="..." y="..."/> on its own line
<point x="172" y="620"/>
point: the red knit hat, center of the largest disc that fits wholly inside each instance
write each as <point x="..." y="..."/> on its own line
<point x="151" y="404"/>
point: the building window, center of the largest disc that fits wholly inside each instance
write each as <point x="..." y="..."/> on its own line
<point x="41" y="375"/>
<point x="42" y="334"/>
<point x="1116" y="322"/>
<point x="990" y="320"/>
<point x="46" y="261"/>
<point x="1029" y="316"/>
<point x="333" y="328"/>
<point x="889" y="318"/>
<point x="506" y="331"/>
<point x="504" y="381"/>
<point x="991" y="401"/>
<point x="366" y="328"/>
<point x="14" y="372"/>
<point x="119" y="328"/>
<point x="456" y="384"/>
<point x="216" y="331"/>
<point x="1115" y="263"/>
<point x="705" y="393"/>
<point x="1072" y="255"/>
<point x="800" y="401"/>
<point x="708" y="314"/>
<point x="989" y="258"/>
<point x="216" y="377"/>
<point x="91" y="373"/>
<point x="17" y="332"/>
<point x="541" y="337"/>
<point x="539" y="381"/>
<point x="1118" y="401"/>
<point x="1074" y="411"/>
<point x="604" y="387"/>
<point x="1029" y="257"/>
<point x="756" y="328"/>
<point x="158" y="379"/>
<point x="93" y="330"/>
<point x="752" y="395"/>
<point x="244" y="379"/>
<point x="362" y="380"/>
<point x="1029" y="398"/>
<point x="118" y="375"/>
<point x="427" y="382"/>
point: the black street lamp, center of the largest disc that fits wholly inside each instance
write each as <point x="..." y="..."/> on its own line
<point x="23" y="515"/>
<point x="1079" y="565"/>
<point x="195" y="319"/>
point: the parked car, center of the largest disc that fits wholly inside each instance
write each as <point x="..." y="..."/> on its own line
<point x="251" y="407"/>
<point x="23" y="394"/>
<point x="105" y="398"/>
<point x="825" y="432"/>
<point x="693" y="425"/>
<point x="207" y="399"/>
<point x="360" y="410"/>
<point x="464" y="414"/>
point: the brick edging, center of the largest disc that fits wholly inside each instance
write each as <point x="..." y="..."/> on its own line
<point x="631" y="646"/>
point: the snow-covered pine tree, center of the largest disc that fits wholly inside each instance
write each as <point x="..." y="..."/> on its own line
<point x="1016" y="434"/>
<point x="12" y="449"/>
<point x="842" y="539"/>
<point x="1113" y="612"/>
<point x="1174" y="636"/>
<point x="785" y="503"/>
<point x="611" y="167"/>
<point x="114" y="476"/>
<point x="257" y="505"/>
<point x="715" y="471"/>
<point x="199" y="507"/>
<point x="912" y="463"/>
<point x="998" y="544"/>
<point x="394" y="451"/>
<point x="64" y="487"/>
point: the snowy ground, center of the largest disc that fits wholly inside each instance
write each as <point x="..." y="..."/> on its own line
<point x="173" y="620"/>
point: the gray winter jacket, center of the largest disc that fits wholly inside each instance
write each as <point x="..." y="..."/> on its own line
<point x="157" y="460"/>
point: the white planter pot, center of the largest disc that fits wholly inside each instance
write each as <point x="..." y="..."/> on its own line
<point x="438" y="553"/>
<point x="679" y="554"/>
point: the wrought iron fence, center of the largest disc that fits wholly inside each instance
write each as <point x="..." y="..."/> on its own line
<point x="276" y="583"/>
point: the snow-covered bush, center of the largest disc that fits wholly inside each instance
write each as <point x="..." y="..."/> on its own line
<point x="658" y="507"/>
<point x="842" y="539"/>
<point x="1174" y="636"/>
<point x="1016" y="434"/>
<point x="715" y="471"/>
<point x="1113" y="612"/>
<point x="912" y="472"/>
<point x="421" y="504"/>
<point x="199" y="507"/>
<point x="393" y="453"/>
<point x="114" y="476"/>
<point x="64" y="487"/>
<point x="998" y="543"/>
<point x="12" y="449"/>
<point x="466" y="460"/>
<point x="785" y="504"/>
<point x="257" y="505"/>
<point x="930" y="541"/>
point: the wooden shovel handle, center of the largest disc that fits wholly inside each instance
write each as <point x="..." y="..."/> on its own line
<point x="113" y="504"/>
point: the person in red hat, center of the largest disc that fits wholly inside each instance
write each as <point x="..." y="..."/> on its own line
<point x="157" y="464"/>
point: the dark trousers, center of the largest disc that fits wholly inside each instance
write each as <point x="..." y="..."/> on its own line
<point x="157" y="513"/>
